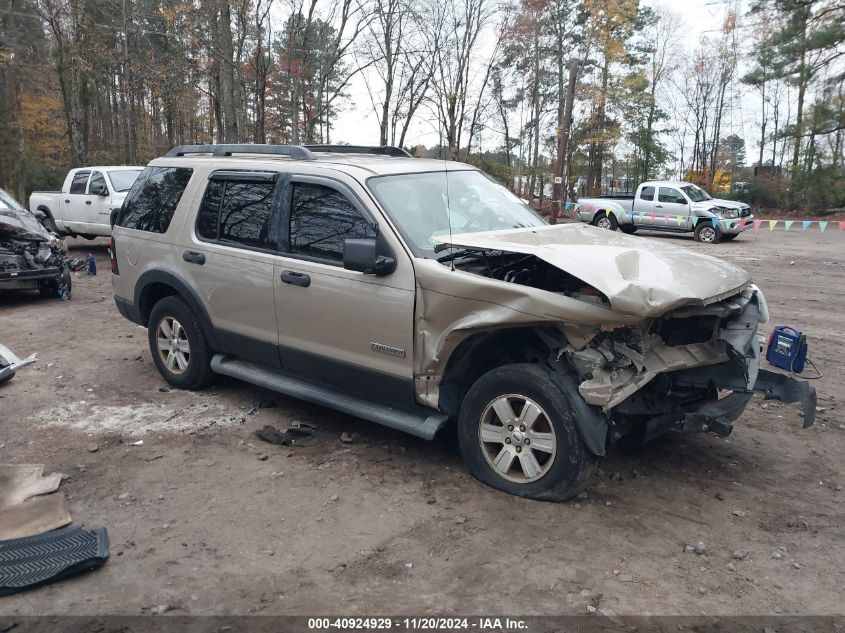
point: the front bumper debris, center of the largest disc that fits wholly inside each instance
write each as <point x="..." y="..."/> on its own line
<point x="10" y="363"/>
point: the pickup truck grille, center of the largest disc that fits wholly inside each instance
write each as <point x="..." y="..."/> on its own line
<point x="744" y="212"/>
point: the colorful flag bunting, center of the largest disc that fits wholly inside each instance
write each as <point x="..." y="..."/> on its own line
<point x="680" y="219"/>
<point x="772" y="224"/>
<point x="822" y="225"/>
<point x="805" y="224"/>
<point x="842" y="226"/>
<point x="788" y="224"/>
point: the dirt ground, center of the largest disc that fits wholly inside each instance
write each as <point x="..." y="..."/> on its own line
<point x="204" y="518"/>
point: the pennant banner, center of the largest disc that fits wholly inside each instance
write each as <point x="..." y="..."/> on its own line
<point x="788" y="224"/>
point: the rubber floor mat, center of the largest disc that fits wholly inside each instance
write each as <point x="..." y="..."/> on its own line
<point x="28" y="562"/>
<point x="19" y="482"/>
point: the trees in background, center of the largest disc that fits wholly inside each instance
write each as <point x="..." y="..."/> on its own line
<point x="121" y="81"/>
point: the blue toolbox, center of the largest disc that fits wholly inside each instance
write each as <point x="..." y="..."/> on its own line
<point x="787" y="349"/>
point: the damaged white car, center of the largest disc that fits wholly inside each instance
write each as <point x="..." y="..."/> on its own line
<point x="31" y="257"/>
<point x="419" y="294"/>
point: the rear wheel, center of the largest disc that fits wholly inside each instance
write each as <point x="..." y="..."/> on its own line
<point x="178" y="345"/>
<point x="605" y="220"/>
<point x="706" y="232"/>
<point x="518" y="434"/>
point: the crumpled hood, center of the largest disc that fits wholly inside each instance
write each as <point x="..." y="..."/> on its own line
<point x="719" y="202"/>
<point x="22" y="225"/>
<point x="641" y="277"/>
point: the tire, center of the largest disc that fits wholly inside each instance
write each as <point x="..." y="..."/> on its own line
<point x="605" y="220"/>
<point x="727" y="237"/>
<point x="628" y="229"/>
<point x="61" y="288"/>
<point x="523" y="389"/>
<point x="186" y="361"/>
<point x="706" y="233"/>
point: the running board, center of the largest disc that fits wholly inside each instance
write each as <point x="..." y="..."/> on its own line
<point x="424" y="424"/>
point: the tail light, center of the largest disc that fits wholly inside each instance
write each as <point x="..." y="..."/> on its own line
<point x="113" y="257"/>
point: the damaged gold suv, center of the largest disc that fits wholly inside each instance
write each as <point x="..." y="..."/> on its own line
<point x="418" y="293"/>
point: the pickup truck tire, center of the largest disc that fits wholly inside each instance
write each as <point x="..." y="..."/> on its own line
<point x="518" y="434"/>
<point x="178" y="345"/>
<point x="605" y="220"/>
<point x="628" y="229"/>
<point x="727" y="237"/>
<point x="706" y="232"/>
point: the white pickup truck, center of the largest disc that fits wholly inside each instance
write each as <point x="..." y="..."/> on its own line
<point x="678" y="207"/>
<point x="84" y="205"/>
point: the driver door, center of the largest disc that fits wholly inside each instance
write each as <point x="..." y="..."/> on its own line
<point x="672" y="202"/>
<point x="96" y="206"/>
<point x="350" y="330"/>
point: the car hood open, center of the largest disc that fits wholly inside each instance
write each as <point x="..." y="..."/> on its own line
<point x="640" y="276"/>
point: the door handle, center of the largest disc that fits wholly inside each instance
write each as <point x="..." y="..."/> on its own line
<point x="296" y="279"/>
<point x="66" y="200"/>
<point x="658" y="206"/>
<point x="87" y="202"/>
<point x="193" y="257"/>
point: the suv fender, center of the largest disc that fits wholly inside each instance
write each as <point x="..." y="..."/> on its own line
<point x="148" y="290"/>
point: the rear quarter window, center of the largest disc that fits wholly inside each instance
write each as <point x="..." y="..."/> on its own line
<point x="151" y="201"/>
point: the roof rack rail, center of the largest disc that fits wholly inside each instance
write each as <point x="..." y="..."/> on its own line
<point x="296" y="152"/>
<point x="382" y="150"/>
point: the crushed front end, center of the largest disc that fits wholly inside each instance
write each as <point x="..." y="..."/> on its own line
<point x="31" y="258"/>
<point x="692" y="370"/>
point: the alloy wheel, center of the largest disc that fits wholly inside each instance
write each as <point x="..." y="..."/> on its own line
<point x="173" y="346"/>
<point x="517" y="438"/>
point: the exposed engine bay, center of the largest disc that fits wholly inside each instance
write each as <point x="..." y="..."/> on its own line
<point x="525" y="270"/>
<point x="692" y="369"/>
<point x="31" y="257"/>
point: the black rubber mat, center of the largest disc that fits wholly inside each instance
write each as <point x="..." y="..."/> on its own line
<point x="36" y="560"/>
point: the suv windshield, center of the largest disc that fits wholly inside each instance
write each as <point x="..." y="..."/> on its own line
<point x="122" y="180"/>
<point x="695" y="193"/>
<point x="8" y="202"/>
<point x="424" y="205"/>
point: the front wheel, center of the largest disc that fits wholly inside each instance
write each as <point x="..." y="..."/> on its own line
<point x="178" y="345"/>
<point x="706" y="232"/>
<point x="605" y="220"/>
<point x="518" y="434"/>
<point x="727" y="237"/>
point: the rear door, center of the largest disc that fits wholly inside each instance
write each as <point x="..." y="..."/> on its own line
<point x="340" y="327"/>
<point x="644" y="206"/>
<point x="230" y="261"/>
<point x="74" y="209"/>
<point x="672" y="208"/>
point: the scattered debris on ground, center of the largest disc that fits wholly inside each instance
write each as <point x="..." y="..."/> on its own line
<point x="293" y="436"/>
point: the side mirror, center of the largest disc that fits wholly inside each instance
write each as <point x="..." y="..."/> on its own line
<point x="363" y="256"/>
<point x="99" y="189"/>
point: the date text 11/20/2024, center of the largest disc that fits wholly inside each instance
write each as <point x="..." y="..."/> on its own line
<point x="487" y="624"/>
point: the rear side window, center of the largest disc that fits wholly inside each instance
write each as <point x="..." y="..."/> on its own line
<point x="80" y="179"/>
<point x="237" y="213"/>
<point x="151" y="201"/>
<point x="321" y="218"/>
<point x="647" y="194"/>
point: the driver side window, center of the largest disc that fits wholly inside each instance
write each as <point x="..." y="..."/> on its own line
<point x="671" y="196"/>
<point x="321" y="218"/>
<point x="97" y="183"/>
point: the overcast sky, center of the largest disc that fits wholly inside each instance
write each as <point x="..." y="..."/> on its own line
<point x="357" y="124"/>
